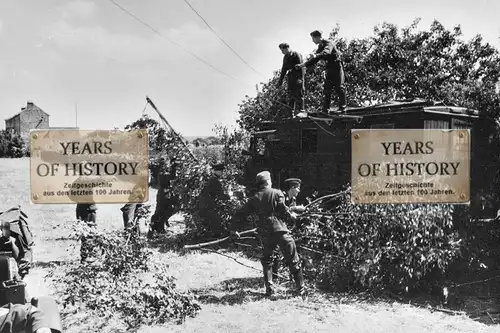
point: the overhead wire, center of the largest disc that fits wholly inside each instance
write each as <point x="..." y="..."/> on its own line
<point x="221" y="39"/>
<point x="192" y="54"/>
<point x="171" y="41"/>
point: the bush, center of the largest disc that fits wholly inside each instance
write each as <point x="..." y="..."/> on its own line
<point x="120" y="282"/>
<point x="11" y="145"/>
<point x="377" y="247"/>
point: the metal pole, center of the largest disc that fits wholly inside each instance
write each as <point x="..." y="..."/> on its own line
<point x="76" y="115"/>
<point x="169" y="126"/>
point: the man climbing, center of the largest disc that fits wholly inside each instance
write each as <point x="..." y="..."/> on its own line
<point x="291" y="191"/>
<point x="296" y="83"/>
<point x="269" y="205"/>
<point x="210" y="194"/>
<point x="334" y="79"/>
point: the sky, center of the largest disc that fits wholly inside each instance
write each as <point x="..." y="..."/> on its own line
<point x="91" y="57"/>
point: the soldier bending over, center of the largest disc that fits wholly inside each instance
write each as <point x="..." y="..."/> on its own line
<point x="291" y="191"/>
<point x="296" y="84"/>
<point x="269" y="205"/>
<point x="334" y="70"/>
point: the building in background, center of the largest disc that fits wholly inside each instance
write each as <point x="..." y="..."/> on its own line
<point x="30" y="117"/>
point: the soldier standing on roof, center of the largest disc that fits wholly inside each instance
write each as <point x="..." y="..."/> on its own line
<point x="208" y="201"/>
<point x="296" y="76"/>
<point x="269" y="205"/>
<point x="334" y="79"/>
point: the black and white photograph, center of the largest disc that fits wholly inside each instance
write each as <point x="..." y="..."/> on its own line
<point x="295" y="166"/>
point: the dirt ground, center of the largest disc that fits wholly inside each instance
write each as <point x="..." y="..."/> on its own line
<point x="231" y="294"/>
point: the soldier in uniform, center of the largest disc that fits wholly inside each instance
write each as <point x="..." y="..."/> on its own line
<point x="131" y="209"/>
<point x="86" y="212"/>
<point x="334" y="79"/>
<point x="291" y="191"/>
<point x="129" y="213"/>
<point x="212" y="191"/>
<point x="165" y="202"/>
<point x="269" y="205"/>
<point x="296" y="83"/>
<point x="7" y="242"/>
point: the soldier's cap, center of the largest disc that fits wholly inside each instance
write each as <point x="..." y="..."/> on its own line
<point x="262" y="177"/>
<point x="284" y="46"/>
<point x="292" y="182"/>
<point x="218" y="166"/>
<point x="316" y="33"/>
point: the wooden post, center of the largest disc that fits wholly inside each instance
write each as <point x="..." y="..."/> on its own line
<point x="169" y="126"/>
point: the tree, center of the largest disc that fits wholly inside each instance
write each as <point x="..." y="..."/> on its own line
<point x="393" y="63"/>
<point x="11" y="145"/>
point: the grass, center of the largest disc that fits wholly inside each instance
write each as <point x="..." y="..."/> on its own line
<point x="231" y="294"/>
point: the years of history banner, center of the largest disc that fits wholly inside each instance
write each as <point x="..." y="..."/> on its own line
<point x="392" y="166"/>
<point x="83" y="166"/>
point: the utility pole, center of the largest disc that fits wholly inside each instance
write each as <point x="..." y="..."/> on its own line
<point x="165" y="121"/>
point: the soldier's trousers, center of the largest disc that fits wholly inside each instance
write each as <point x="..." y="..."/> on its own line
<point x="334" y="80"/>
<point x="211" y="221"/>
<point x="84" y="214"/>
<point x="129" y="212"/>
<point x="296" y="90"/>
<point x="164" y="210"/>
<point x="286" y="244"/>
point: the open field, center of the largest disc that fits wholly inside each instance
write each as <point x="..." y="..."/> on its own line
<point x="230" y="294"/>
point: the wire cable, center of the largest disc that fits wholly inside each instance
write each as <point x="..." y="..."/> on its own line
<point x="221" y="39"/>
<point x="192" y="54"/>
<point x="173" y="42"/>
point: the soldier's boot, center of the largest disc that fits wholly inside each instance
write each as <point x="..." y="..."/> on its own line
<point x="299" y="282"/>
<point x="268" y="280"/>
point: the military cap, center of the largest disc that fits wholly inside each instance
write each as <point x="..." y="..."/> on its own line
<point x="218" y="166"/>
<point x="262" y="177"/>
<point x="284" y="46"/>
<point x="316" y="33"/>
<point x="292" y="182"/>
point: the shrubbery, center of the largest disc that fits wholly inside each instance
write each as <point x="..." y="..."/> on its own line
<point x="378" y="247"/>
<point x="12" y="145"/>
<point x="120" y="280"/>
